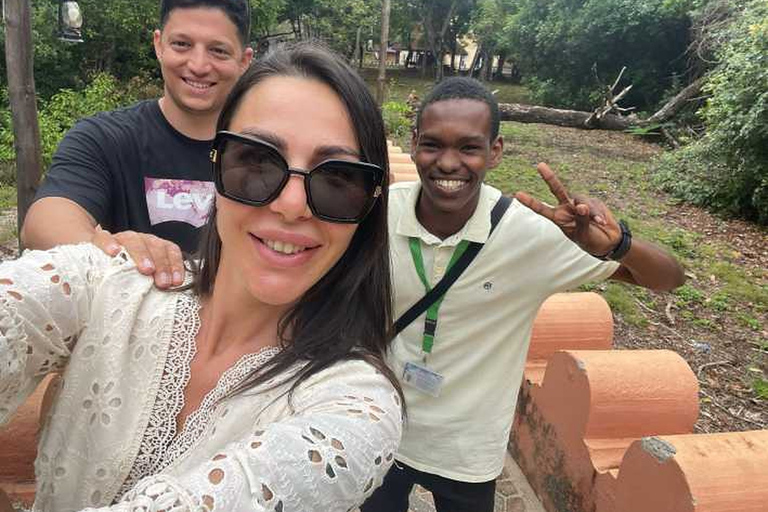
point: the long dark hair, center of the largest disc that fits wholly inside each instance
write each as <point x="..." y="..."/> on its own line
<point x="347" y="314"/>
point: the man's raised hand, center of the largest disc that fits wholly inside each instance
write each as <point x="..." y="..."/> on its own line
<point x="585" y="220"/>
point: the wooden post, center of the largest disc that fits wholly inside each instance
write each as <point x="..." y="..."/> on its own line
<point x="21" y="95"/>
<point x="383" y="45"/>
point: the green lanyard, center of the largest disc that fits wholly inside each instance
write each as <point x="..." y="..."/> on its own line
<point x="430" y="322"/>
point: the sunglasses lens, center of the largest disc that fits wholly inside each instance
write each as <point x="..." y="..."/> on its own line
<point x="250" y="172"/>
<point x="342" y="191"/>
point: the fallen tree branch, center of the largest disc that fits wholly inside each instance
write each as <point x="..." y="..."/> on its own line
<point x="728" y="411"/>
<point x="710" y="365"/>
<point x="589" y="120"/>
<point x="568" y="118"/>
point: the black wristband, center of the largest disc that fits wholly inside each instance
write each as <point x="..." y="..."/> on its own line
<point x="622" y="248"/>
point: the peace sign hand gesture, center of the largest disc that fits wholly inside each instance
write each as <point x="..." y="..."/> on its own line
<point x="585" y="220"/>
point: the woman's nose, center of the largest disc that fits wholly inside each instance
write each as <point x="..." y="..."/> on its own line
<point x="292" y="202"/>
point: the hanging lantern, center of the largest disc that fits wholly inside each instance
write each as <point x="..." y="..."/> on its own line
<point x="70" y="22"/>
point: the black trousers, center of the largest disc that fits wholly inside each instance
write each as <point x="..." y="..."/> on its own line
<point x="450" y="495"/>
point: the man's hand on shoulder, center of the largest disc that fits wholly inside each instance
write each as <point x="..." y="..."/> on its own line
<point x="153" y="255"/>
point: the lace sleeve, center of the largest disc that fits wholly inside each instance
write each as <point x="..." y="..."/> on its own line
<point x="329" y="455"/>
<point x="44" y="304"/>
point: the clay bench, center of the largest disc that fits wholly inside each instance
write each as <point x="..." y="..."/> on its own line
<point x="600" y="430"/>
<point x="18" y="440"/>
<point x="401" y="168"/>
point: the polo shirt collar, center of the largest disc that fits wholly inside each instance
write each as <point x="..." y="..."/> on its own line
<point x="477" y="228"/>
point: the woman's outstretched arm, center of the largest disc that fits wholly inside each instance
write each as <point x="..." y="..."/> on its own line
<point x="329" y="455"/>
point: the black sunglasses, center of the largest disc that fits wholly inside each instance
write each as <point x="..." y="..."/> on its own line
<point x="254" y="172"/>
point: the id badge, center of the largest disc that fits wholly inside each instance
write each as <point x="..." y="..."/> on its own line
<point x="422" y="378"/>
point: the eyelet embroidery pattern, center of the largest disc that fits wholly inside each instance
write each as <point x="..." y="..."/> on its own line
<point x="319" y="451"/>
<point x="170" y="394"/>
<point x="326" y="452"/>
<point x="160" y="445"/>
<point x="101" y="403"/>
<point x="197" y="422"/>
<point x="17" y="355"/>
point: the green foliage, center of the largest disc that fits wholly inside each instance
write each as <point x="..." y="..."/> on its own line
<point x="727" y="169"/>
<point x="335" y="22"/>
<point x="58" y="114"/>
<point x="688" y="295"/>
<point x="397" y="118"/>
<point x="622" y="302"/>
<point x="760" y="387"/>
<point x="6" y="130"/>
<point x="556" y="43"/>
<point x="62" y="110"/>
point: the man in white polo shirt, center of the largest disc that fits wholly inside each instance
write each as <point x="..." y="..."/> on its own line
<point x="461" y="362"/>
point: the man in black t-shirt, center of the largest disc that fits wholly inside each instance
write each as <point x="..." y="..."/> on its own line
<point x="145" y="168"/>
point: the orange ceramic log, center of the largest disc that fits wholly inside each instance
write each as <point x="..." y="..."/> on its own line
<point x="400" y="158"/>
<point x="613" y="394"/>
<point x="19" y="440"/>
<point x="695" y="473"/>
<point x="5" y="503"/>
<point x="404" y="167"/>
<point x="571" y="321"/>
<point x="397" y="177"/>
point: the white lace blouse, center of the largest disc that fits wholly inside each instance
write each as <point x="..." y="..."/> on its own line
<point x="124" y="348"/>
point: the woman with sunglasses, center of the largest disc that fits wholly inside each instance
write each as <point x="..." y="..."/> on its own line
<point x="259" y="386"/>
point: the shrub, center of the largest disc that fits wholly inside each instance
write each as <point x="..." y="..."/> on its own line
<point x="62" y="110"/>
<point x="397" y="118"/>
<point x="556" y="43"/>
<point x="727" y="169"/>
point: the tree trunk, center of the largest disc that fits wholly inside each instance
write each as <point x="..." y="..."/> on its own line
<point x="500" y="67"/>
<point x="23" y="102"/>
<point x="586" y="120"/>
<point x="475" y="58"/>
<point x="383" y="46"/>
<point x="558" y="117"/>
<point x="439" y="65"/>
<point x="483" y="75"/>
<point x="453" y="57"/>
<point x="358" y="53"/>
<point x="674" y="105"/>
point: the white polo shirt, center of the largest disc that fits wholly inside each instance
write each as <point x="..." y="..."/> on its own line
<point x="483" y="330"/>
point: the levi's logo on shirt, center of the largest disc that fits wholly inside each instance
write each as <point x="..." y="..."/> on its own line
<point x="186" y="201"/>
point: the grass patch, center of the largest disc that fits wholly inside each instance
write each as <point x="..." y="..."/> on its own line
<point x="760" y="387"/>
<point x="7" y="197"/>
<point x="622" y="302"/>
<point x="737" y="284"/>
<point x="687" y="295"/>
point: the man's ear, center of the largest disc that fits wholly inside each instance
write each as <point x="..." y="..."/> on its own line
<point x="245" y="61"/>
<point x="157" y="37"/>
<point x="497" y="151"/>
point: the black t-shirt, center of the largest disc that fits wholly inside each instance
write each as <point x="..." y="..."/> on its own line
<point x="131" y="170"/>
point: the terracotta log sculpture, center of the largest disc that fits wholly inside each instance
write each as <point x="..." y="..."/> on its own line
<point x="695" y="473"/>
<point x="572" y="431"/>
<point x="568" y="321"/>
